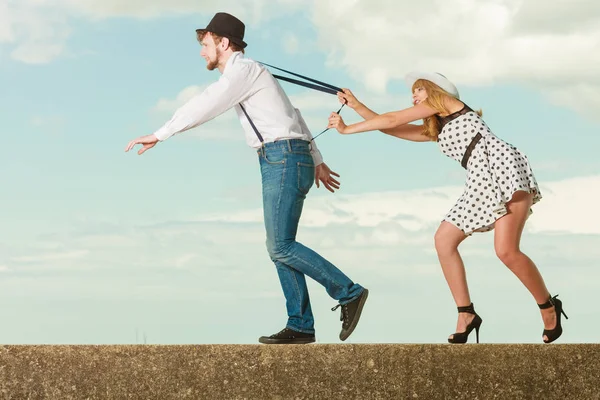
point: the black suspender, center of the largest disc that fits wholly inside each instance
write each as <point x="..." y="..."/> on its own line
<point x="316" y="85"/>
<point x="320" y="86"/>
<point x="252" y="124"/>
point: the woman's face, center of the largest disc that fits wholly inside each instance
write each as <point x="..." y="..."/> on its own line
<point x="419" y="95"/>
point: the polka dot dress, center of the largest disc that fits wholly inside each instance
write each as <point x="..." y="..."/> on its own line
<point x="495" y="171"/>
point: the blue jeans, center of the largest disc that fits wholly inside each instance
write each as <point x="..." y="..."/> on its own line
<point x="288" y="173"/>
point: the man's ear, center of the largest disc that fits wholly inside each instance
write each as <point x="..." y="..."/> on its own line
<point x="225" y="43"/>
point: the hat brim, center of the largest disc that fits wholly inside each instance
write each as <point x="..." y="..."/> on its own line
<point x="438" y="79"/>
<point x="237" y="41"/>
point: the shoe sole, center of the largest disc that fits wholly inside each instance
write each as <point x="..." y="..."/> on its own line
<point x="346" y="334"/>
<point x="267" y="340"/>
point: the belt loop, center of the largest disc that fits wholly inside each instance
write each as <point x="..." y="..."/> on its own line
<point x="289" y="143"/>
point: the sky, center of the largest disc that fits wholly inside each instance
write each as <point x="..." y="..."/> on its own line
<point x="99" y="246"/>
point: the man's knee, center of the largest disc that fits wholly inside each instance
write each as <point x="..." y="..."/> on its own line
<point x="279" y="250"/>
<point x="271" y="248"/>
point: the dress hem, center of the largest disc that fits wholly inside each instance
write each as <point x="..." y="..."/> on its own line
<point x="500" y="211"/>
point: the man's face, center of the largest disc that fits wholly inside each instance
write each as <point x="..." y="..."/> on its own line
<point x="211" y="52"/>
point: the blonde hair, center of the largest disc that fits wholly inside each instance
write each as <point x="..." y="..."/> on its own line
<point x="436" y="99"/>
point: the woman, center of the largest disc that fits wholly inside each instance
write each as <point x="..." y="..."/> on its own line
<point x="499" y="192"/>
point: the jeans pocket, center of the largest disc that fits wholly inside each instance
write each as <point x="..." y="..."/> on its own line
<point x="306" y="177"/>
<point x="274" y="157"/>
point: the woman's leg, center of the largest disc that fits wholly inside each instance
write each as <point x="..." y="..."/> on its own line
<point x="507" y="238"/>
<point x="447" y="238"/>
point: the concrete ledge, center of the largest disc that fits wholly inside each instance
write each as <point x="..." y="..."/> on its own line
<point x="334" y="371"/>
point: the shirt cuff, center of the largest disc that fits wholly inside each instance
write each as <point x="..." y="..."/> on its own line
<point x="316" y="155"/>
<point x="163" y="134"/>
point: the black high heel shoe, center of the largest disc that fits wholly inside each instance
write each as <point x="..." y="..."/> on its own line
<point x="461" y="337"/>
<point x="553" y="334"/>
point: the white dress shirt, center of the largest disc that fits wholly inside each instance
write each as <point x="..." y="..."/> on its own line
<point x="247" y="82"/>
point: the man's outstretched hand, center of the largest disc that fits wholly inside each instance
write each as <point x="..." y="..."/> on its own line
<point x="147" y="142"/>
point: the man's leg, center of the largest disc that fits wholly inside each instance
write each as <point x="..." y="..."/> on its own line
<point x="293" y="282"/>
<point x="300" y="316"/>
<point x="288" y="174"/>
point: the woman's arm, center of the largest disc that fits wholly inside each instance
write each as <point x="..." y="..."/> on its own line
<point x="408" y="131"/>
<point x="365" y="111"/>
<point x="387" y="123"/>
<point x="411" y="132"/>
<point x="348" y="98"/>
<point x="390" y="120"/>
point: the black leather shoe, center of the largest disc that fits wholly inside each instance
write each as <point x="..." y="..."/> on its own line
<point x="288" y="336"/>
<point x="351" y="314"/>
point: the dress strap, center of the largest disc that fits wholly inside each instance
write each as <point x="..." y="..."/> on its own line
<point x="444" y="120"/>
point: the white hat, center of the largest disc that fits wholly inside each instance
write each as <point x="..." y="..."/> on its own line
<point x="434" y="77"/>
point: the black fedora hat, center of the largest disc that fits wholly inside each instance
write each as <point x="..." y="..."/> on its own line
<point x="226" y="25"/>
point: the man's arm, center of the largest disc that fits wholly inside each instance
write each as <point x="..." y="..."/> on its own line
<point x="316" y="154"/>
<point x="217" y="98"/>
<point x="322" y="172"/>
<point x="314" y="151"/>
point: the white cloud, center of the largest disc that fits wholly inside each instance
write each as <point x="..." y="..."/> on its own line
<point x="566" y="207"/>
<point x="184" y="260"/>
<point x="290" y="43"/>
<point x="583" y="95"/>
<point x="36" y="29"/>
<point x="166" y="105"/>
<point x="472" y="42"/>
<point x="6" y="21"/>
<point x="249" y="11"/>
<point x="569" y="206"/>
<point x="56" y="257"/>
<point x="558" y="16"/>
<point x="39" y="29"/>
<point x="552" y="47"/>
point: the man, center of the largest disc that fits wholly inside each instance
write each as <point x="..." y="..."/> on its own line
<point x="290" y="162"/>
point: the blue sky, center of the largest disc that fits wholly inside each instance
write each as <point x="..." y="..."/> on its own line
<point x="102" y="246"/>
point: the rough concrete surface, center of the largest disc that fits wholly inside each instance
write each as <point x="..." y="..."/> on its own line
<point x="334" y="371"/>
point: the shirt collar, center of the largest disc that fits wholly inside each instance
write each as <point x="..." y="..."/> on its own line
<point x="235" y="55"/>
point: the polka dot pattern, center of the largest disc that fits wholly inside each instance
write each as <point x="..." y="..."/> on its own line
<point x="495" y="171"/>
